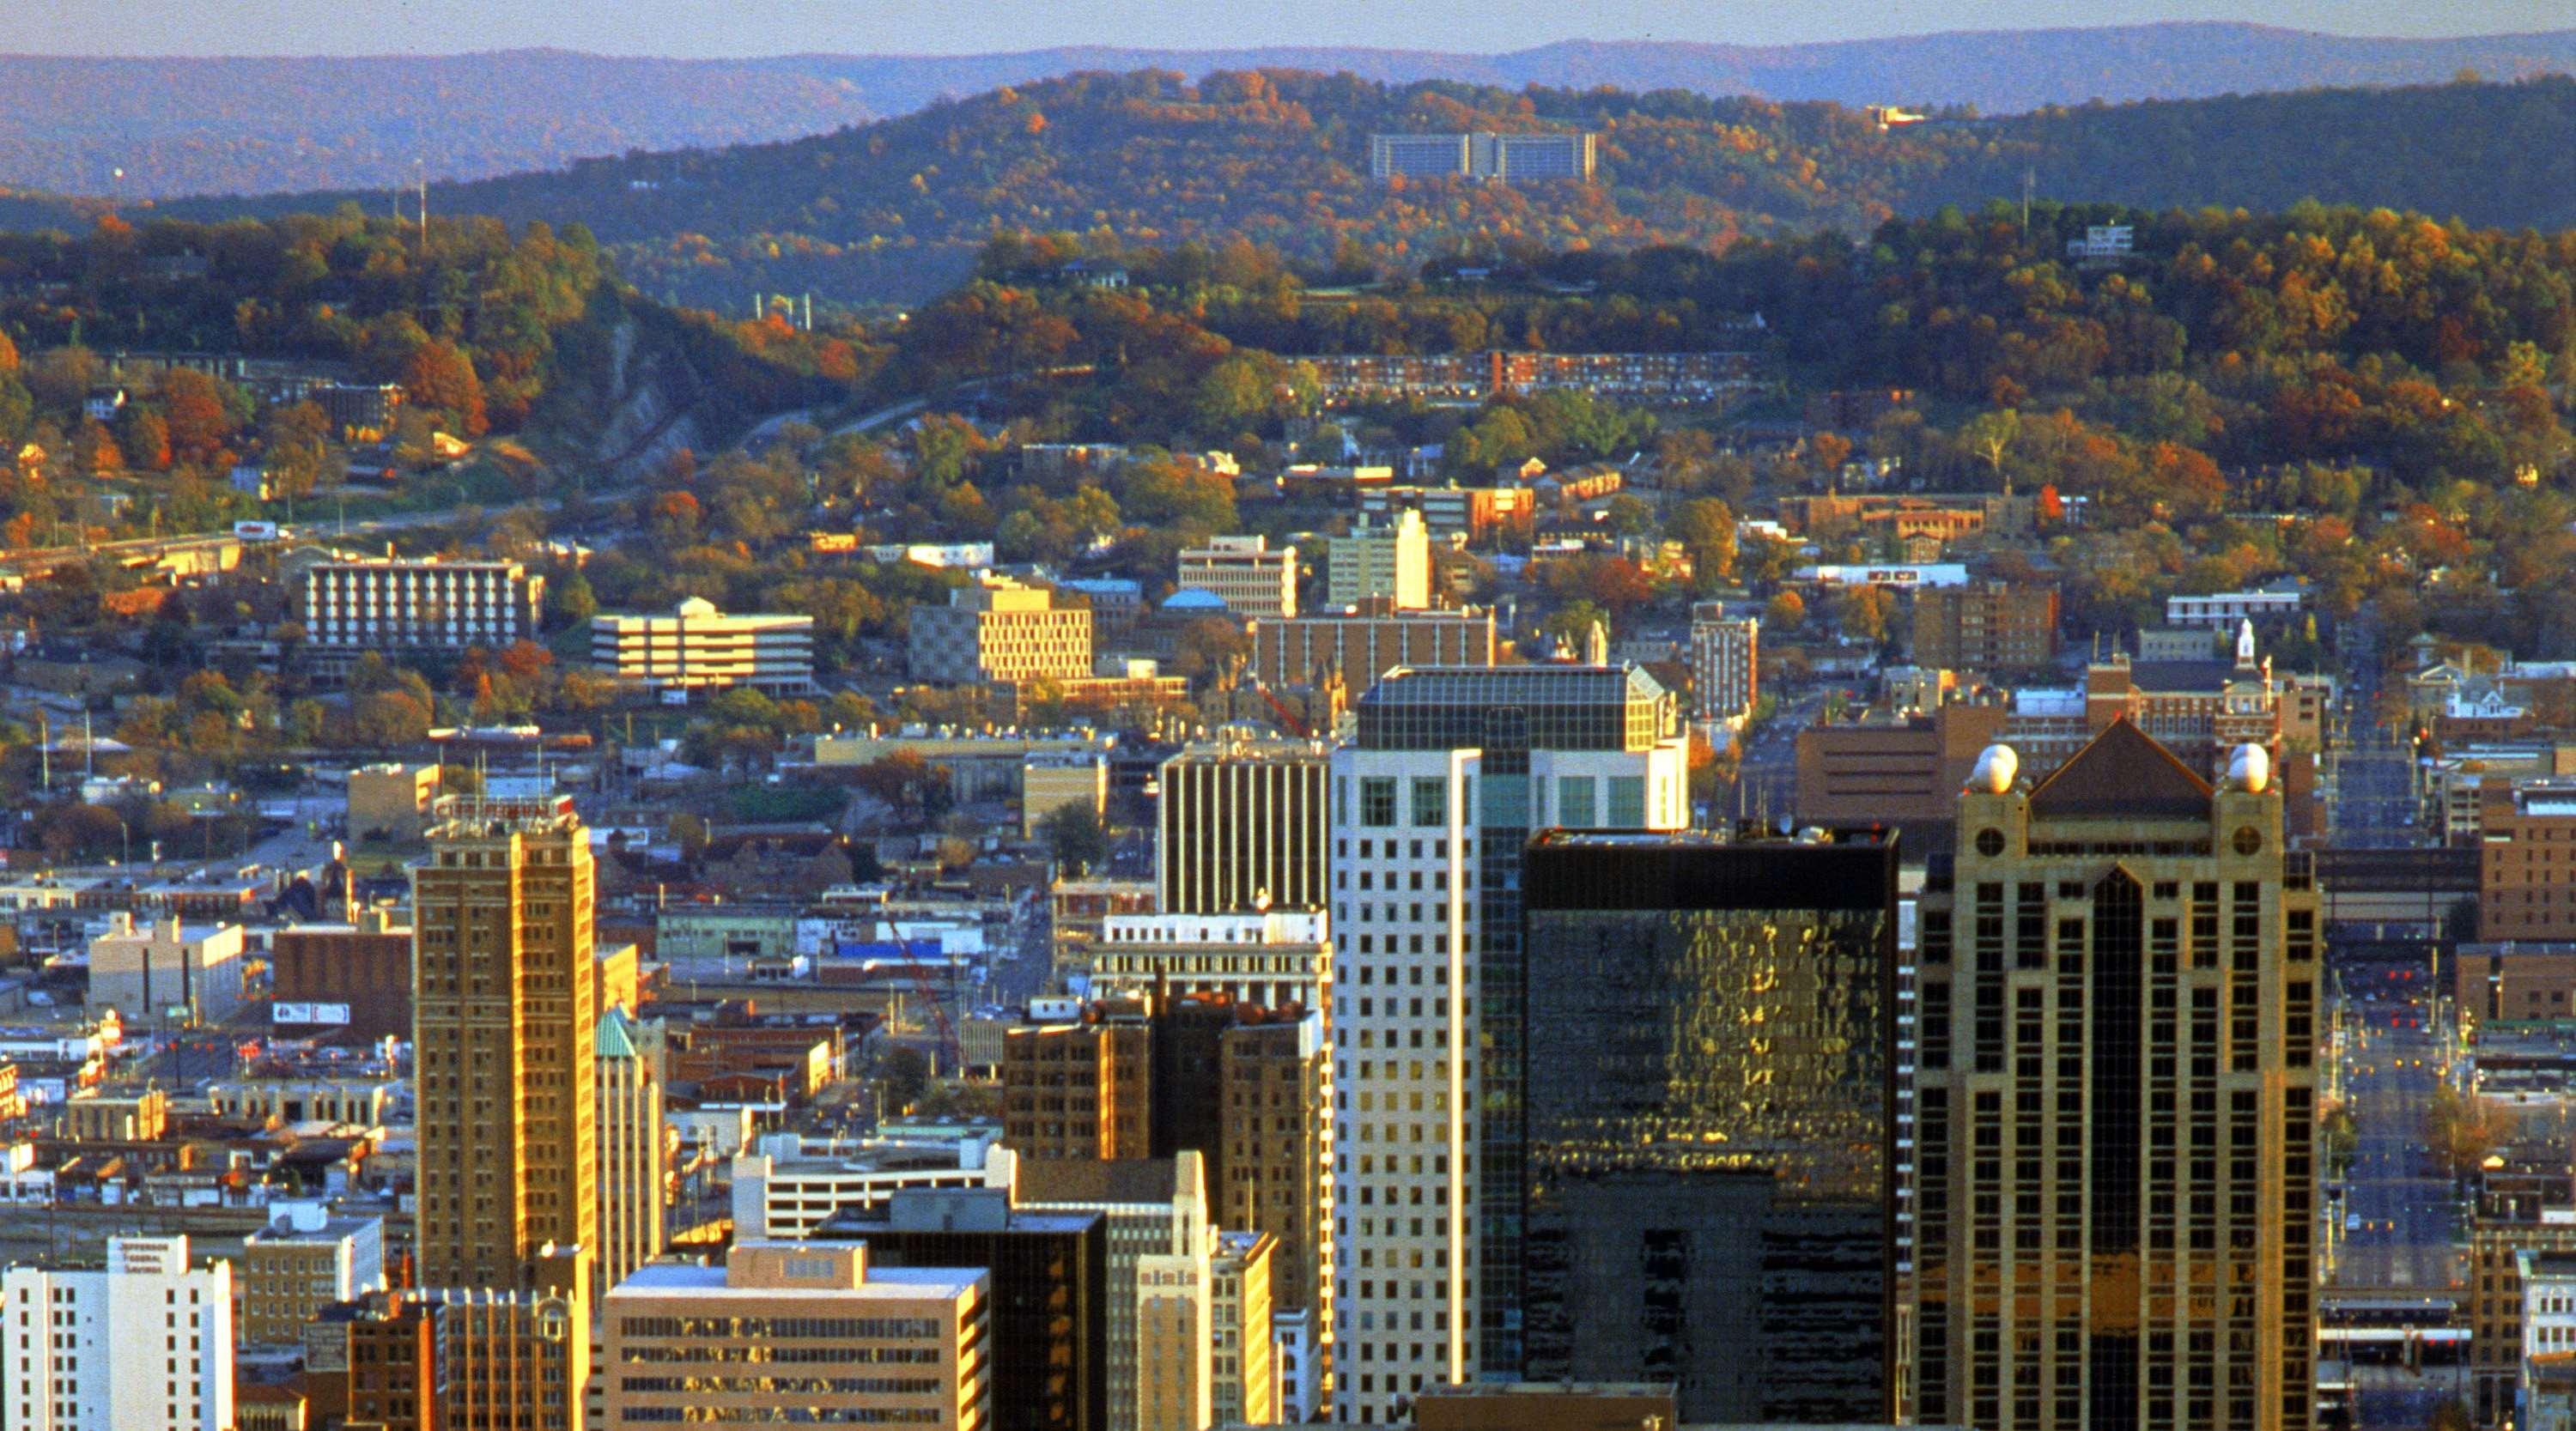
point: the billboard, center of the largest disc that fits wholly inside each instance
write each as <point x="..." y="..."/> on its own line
<point x="289" y="1015"/>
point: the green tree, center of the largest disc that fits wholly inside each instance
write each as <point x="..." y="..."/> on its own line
<point x="1075" y="838"/>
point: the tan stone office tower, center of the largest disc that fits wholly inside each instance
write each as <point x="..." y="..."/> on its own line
<point x="2118" y="984"/>
<point x="505" y="1020"/>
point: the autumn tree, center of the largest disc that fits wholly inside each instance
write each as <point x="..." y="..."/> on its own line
<point x="440" y="376"/>
<point x="200" y="417"/>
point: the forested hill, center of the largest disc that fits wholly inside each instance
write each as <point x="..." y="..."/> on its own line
<point x="252" y="125"/>
<point x="896" y="210"/>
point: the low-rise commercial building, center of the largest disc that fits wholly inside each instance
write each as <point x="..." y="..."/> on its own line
<point x="360" y="972"/>
<point x="868" y="1343"/>
<point x="303" y="1261"/>
<point x="166" y="972"/>
<point x="391" y="801"/>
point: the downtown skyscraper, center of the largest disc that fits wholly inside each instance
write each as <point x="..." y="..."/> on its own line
<point x="505" y="1021"/>
<point x="1452" y="771"/>
<point x="2118" y="988"/>
<point x="1710" y="1080"/>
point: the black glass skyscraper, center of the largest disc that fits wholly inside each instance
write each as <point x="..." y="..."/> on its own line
<point x="1709" y="1086"/>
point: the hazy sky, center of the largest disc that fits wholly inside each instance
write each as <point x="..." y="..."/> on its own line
<point x="752" y="27"/>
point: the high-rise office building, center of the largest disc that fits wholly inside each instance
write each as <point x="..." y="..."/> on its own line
<point x="1047" y="1289"/>
<point x="869" y="1344"/>
<point x="1452" y="771"/>
<point x="1246" y="1350"/>
<point x="505" y="1014"/>
<point x="1709" y="1084"/>
<point x="1241" y="826"/>
<point x="633" y="1154"/>
<point x="1079" y="1090"/>
<point x="2117" y="990"/>
<point x="1267" y="1104"/>
<point x="1160" y="1247"/>
<point x="143" y="1344"/>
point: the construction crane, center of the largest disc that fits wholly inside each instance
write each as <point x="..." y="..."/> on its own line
<point x="927" y="991"/>
<point x="1288" y="720"/>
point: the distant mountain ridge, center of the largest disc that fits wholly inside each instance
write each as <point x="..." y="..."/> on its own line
<point x="242" y="126"/>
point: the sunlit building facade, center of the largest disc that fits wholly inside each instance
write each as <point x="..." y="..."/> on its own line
<point x="2117" y="988"/>
<point x="1452" y="770"/>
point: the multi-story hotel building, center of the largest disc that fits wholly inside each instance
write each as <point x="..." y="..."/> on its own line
<point x="868" y="1344"/>
<point x="1254" y="578"/>
<point x="1389" y="561"/>
<point x="1725" y="664"/>
<point x="1241" y="826"/>
<point x="1710" y="1089"/>
<point x="1452" y="771"/>
<point x="392" y="604"/>
<point x="1000" y="630"/>
<point x="2118" y="987"/>
<point x="697" y="647"/>
<point x="143" y="1344"/>
<point x="505" y="1020"/>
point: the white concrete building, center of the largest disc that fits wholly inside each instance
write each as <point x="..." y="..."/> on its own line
<point x="1253" y="578"/>
<point x="1453" y="770"/>
<point x="697" y="647"/>
<point x="1392" y="561"/>
<point x="144" y="1344"/>
<point x="147" y="972"/>
<point x="791" y="1186"/>
<point x="390" y="604"/>
<point x="2227" y="608"/>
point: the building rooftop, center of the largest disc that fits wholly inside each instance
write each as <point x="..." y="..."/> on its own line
<point x="1124" y="1180"/>
<point x="2122" y="773"/>
<point x="690" y="1279"/>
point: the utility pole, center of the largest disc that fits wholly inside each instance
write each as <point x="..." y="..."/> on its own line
<point x="423" y="166"/>
<point x="2029" y="181"/>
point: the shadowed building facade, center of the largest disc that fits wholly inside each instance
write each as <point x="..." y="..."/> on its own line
<point x="2116" y="1108"/>
<point x="1709" y="1086"/>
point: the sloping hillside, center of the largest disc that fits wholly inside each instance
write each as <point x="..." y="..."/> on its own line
<point x="895" y="210"/>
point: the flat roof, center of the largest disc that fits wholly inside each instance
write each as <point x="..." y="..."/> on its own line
<point x="690" y="1279"/>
